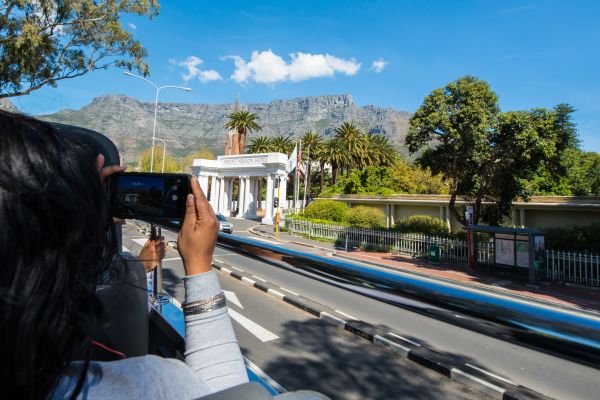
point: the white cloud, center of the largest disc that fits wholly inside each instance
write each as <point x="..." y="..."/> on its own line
<point x="191" y="65"/>
<point x="132" y="26"/>
<point x="267" y="67"/>
<point x="379" y="65"/>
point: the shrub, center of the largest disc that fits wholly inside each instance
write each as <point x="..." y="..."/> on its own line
<point x="327" y="210"/>
<point x="574" y="238"/>
<point x="365" y="217"/>
<point x="423" y="224"/>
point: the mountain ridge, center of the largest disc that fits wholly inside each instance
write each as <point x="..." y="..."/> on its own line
<point x="128" y="121"/>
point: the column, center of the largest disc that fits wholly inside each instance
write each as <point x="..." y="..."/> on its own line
<point x="213" y="192"/>
<point x="221" y="185"/>
<point x="253" y="195"/>
<point x="447" y="217"/>
<point x="522" y="217"/>
<point x="241" y="191"/>
<point x="229" y="189"/>
<point x="514" y="216"/>
<point x="203" y="181"/>
<point x="225" y="200"/>
<point x="268" y="219"/>
<point x="247" y="197"/>
<point x="392" y="215"/>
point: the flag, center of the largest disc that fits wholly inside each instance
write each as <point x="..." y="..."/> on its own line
<point x="292" y="161"/>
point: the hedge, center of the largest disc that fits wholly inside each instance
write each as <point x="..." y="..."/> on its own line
<point x="585" y="238"/>
<point x="423" y="224"/>
<point x="366" y="217"/>
<point x="326" y="210"/>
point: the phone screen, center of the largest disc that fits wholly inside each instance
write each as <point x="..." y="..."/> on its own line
<point x="152" y="197"/>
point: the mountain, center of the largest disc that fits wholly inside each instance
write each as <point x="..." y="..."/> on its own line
<point x="128" y="122"/>
<point x="5" y="104"/>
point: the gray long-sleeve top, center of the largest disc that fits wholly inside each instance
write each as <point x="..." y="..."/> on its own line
<point x="213" y="358"/>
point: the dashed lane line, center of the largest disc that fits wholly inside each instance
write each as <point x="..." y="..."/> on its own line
<point x="263" y="334"/>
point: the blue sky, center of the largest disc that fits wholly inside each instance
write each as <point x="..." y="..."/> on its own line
<point x="533" y="53"/>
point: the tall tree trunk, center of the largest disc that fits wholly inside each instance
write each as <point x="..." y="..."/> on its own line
<point x="242" y="141"/>
<point x="322" y="165"/>
<point x="235" y="144"/>
<point x="348" y="169"/>
<point x="334" y="171"/>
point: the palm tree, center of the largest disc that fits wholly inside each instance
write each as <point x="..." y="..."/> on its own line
<point x="312" y="144"/>
<point x="242" y="122"/>
<point x="354" y="142"/>
<point x="282" y="144"/>
<point x="261" y="144"/>
<point x="380" y="151"/>
<point x="335" y="154"/>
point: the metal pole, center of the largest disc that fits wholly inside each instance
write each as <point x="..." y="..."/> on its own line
<point x="306" y="179"/>
<point x="277" y="215"/>
<point x="154" y="130"/>
<point x="164" y="155"/>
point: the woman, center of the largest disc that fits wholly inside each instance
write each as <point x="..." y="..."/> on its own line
<point x="56" y="239"/>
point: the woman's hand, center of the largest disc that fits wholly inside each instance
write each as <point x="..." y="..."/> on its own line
<point x="153" y="252"/>
<point x="198" y="235"/>
<point x="104" y="173"/>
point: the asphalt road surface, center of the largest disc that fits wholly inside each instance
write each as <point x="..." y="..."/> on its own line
<point x="300" y="351"/>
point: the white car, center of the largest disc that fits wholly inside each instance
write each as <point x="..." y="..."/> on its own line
<point x="224" y="225"/>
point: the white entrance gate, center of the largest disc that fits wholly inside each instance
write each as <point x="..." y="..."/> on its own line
<point x="249" y="170"/>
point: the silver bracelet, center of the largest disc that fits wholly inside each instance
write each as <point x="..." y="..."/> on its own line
<point x="203" y="306"/>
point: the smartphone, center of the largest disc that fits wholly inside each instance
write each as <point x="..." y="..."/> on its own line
<point x="150" y="197"/>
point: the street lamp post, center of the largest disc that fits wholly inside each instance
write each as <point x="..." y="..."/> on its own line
<point x="158" y="89"/>
<point x="164" y="142"/>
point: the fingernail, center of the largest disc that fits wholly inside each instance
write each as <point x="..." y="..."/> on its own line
<point x="190" y="200"/>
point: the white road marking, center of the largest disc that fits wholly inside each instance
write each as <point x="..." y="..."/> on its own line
<point x="172" y="259"/>
<point x="261" y="333"/>
<point x="346" y="315"/>
<point x="403" y="338"/>
<point x="267" y="241"/>
<point x="217" y="260"/>
<point x="123" y="248"/>
<point x="141" y="242"/>
<point x="232" y="297"/>
<point x="490" y="374"/>
<point x="241" y="270"/>
<point x="288" y="290"/>
<point x="259" y="278"/>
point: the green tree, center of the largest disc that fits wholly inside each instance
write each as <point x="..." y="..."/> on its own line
<point x="171" y="164"/>
<point x="484" y="155"/>
<point x="335" y="155"/>
<point x="282" y="144"/>
<point x="242" y="122"/>
<point x="312" y="144"/>
<point x="188" y="160"/>
<point x="261" y="144"/>
<point x="354" y="142"/>
<point x="43" y="42"/>
<point x="380" y="151"/>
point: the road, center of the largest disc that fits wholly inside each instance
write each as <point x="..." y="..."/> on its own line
<point x="298" y="331"/>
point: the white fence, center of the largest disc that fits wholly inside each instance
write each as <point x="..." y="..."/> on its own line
<point x="567" y="266"/>
<point x="450" y="250"/>
<point x="561" y="266"/>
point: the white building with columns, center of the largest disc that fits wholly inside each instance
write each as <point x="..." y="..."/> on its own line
<point x="249" y="172"/>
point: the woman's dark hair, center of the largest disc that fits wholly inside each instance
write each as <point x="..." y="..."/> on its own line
<point x="53" y="247"/>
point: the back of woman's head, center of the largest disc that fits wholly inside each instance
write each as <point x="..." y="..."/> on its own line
<point x="53" y="246"/>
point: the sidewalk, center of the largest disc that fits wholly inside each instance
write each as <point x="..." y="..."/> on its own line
<point x="559" y="294"/>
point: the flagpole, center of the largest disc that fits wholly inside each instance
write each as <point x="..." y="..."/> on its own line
<point x="306" y="179"/>
<point x="297" y="180"/>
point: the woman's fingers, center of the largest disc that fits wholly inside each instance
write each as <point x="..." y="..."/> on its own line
<point x="105" y="172"/>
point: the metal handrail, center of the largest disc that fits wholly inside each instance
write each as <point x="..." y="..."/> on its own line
<point x="570" y="333"/>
